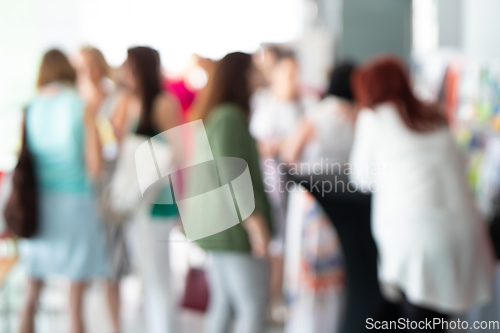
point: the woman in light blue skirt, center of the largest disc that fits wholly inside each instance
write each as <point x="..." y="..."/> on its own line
<point x="69" y="241"/>
<point x="62" y="139"/>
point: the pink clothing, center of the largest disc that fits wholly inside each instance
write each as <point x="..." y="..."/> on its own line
<point x="179" y="89"/>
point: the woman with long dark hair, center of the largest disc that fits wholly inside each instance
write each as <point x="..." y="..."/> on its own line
<point x="146" y="111"/>
<point x="435" y="258"/>
<point x="322" y="139"/>
<point x="238" y="272"/>
<point x="62" y="137"/>
<point x="150" y="110"/>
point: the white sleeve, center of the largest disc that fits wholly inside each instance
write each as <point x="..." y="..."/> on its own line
<point x="362" y="158"/>
<point x="260" y="118"/>
<point x="259" y="124"/>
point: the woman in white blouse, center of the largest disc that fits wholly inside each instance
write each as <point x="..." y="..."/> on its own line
<point x="435" y="257"/>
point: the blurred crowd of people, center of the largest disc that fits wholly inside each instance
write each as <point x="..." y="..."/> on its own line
<point x="87" y="120"/>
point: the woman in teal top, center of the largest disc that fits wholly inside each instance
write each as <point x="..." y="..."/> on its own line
<point x="62" y="138"/>
<point x="238" y="272"/>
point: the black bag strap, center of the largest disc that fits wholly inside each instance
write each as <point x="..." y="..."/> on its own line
<point x="495" y="225"/>
<point x="25" y="152"/>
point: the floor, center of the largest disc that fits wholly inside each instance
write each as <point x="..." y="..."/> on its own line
<point x="52" y="315"/>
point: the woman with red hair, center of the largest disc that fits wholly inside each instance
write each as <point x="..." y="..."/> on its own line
<point x="435" y="258"/>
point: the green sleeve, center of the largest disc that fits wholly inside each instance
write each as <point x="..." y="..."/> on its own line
<point x="229" y="137"/>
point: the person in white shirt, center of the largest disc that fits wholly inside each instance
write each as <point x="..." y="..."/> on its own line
<point x="276" y="111"/>
<point x="435" y="256"/>
<point x="277" y="108"/>
<point x="325" y="132"/>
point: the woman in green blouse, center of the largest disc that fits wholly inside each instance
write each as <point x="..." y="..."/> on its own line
<point x="238" y="272"/>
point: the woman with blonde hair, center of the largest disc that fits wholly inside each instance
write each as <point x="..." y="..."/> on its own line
<point x="63" y="141"/>
<point x="95" y="78"/>
<point x="97" y="88"/>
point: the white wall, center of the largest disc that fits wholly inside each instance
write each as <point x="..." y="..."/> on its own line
<point x="481" y="29"/>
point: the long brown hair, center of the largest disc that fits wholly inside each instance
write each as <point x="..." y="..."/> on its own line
<point x="230" y="82"/>
<point x="385" y="79"/>
<point x="55" y="67"/>
<point x="145" y="63"/>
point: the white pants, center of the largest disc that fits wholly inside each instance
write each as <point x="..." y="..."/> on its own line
<point x="150" y="243"/>
<point x="239" y="284"/>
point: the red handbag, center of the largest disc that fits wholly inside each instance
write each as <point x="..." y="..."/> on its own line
<point x="196" y="291"/>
